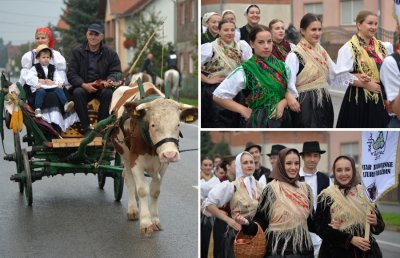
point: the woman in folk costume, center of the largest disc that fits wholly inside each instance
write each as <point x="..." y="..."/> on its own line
<point x="210" y="23"/>
<point x="264" y="80"/>
<point x="207" y="181"/>
<point x="219" y="58"/>
<point x="242" y="195"/>
<point x="230" y="15"/>
<point x="281" y="47"/>
<point x="341" y="213"/>
<point x="284" y="211"/>
<point x="311" y="67"/>
<point x="51" y="107"/>
<point x="363" y="103"/>
<point x="252" y="13"/>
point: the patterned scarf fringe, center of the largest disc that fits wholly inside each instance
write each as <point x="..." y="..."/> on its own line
<point x="298" y="235"/>
<point x="320" y="94"/>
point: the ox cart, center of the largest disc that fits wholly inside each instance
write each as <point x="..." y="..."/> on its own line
<point x="51" y="156"/>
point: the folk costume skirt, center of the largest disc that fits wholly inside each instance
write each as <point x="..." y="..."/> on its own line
<point x="357" y="111"/>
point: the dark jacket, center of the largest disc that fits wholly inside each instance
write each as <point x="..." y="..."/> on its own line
<point x="148" y="67"/>
<point x="108" y="65"/>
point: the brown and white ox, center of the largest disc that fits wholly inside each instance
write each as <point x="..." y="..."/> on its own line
<point x="160" y="121"/>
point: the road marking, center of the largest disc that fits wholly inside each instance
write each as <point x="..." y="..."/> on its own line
<point x="195" y="186"/>
<point x="388" y="243"/>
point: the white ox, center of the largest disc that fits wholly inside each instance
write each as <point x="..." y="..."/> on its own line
<point x="160" y="119"/>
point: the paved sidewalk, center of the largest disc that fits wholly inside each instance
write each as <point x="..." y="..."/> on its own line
<point x="389" y="207"/>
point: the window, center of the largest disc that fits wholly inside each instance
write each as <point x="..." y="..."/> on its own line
<point x="313" y="8"/>
<point x="349" y="11"/>
<point x="190" y="63"/>
<point x="183" y="11"/>
<point x="351" y="149"/>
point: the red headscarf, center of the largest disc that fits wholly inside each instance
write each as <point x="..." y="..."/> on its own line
<point x="47" y="31"/>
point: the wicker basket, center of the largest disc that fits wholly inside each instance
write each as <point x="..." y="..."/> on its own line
<point x="250" y="246"/>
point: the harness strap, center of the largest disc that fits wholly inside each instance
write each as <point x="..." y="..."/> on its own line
<point x="170" y="139"/>
<point x="127" y="94"/>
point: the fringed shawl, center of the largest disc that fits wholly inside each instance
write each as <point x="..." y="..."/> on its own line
<point x="348" y="211"/>
<point x="241" y="202"/>
<point x="225" y="59"/>
<point x="281" y="50"/>
<point x="367" y="60"/>
<point x="288" y="209"/>
<point x="266" y="80"/>
<point x="314" y="75"/>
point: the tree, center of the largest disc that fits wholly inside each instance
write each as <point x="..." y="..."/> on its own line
<point x="78" y="14"/>
<point x="143" y="27"/>
<point x="221" y="148"/>
<point x="3" y="54"/>
<point x="205" y="143"/>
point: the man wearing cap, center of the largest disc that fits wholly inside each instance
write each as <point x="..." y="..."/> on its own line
<point x="317" y="180"/>
<point x="91" y="61"/>
<point x="255" y="150"/>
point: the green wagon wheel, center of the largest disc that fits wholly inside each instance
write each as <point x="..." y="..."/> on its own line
<point x="18" y="159"/>
<point x="101" y="179"/>
<point x="118" y="180"/>
<point x="28" y="180"/>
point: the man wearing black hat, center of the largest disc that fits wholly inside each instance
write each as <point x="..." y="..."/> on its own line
<point x="255" y="150"/>
<point x="91" y="61"/>
<point x="317" y="180"/>
<point x="273" y="158"/>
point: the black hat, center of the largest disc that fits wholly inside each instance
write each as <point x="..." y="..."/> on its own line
<point x="96" y="28"/>
<point x="250" y="145"/>
<point x="309" y="147"/>
<point x="275" y="149"/>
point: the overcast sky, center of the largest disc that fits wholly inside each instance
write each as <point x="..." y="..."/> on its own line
<point x="20" y="18"/>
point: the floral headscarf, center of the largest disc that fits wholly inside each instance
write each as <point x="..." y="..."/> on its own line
<point x="49" y="35"/>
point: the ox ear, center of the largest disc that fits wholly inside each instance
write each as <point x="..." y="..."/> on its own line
<point x="189" y="115"/>
<point x="131" y="108"/>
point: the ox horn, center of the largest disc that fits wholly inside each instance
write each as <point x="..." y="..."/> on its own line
<point x="143" y="106"/>
<point x="182" y="106"/>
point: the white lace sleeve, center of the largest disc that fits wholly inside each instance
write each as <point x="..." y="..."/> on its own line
<point x="26" y="64"/>
<point x="61" y="65"/>
<point x="292" y="46"/>
<point x="390" y="75"/>
<point x="293" y="63"/>
<point x="232" y="85"/>
<point x="219" y="194"/>
<point x="32" y="78"/>
<point x="58" y="77"/>
<point x="340" y="73"/>
<point x="206" y="52"/>
<point x="206" y="186"/>
<point x="389" y="47"/>
<point x="247" y="50"/>
<point x="237" y="35"/>
<point x="337" y="79"/>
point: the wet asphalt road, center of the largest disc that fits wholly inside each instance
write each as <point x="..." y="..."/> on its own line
<point x="72" y="217"/>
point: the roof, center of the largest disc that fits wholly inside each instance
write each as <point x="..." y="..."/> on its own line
<point x="121" y="7"/>
<point x="61" y="24"/>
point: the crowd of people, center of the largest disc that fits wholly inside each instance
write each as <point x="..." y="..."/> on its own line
<point x="302" y="211"/>
<point x="253" y="76"/>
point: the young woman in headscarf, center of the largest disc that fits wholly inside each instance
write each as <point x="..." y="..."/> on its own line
<point x="242" y="195"/>
<point x="363" y="103"/>
<point x="230" y="15"/>
<point x="51" y="109"/>
<point x="264" y="79"/>
<point x="281" y="47"/>
<point x="252" y="13"/>
<point x="284" y="211"/>
<point x="342" y="210"/>
<point x="210" y="22"/>
<point x="218" y="59"/>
